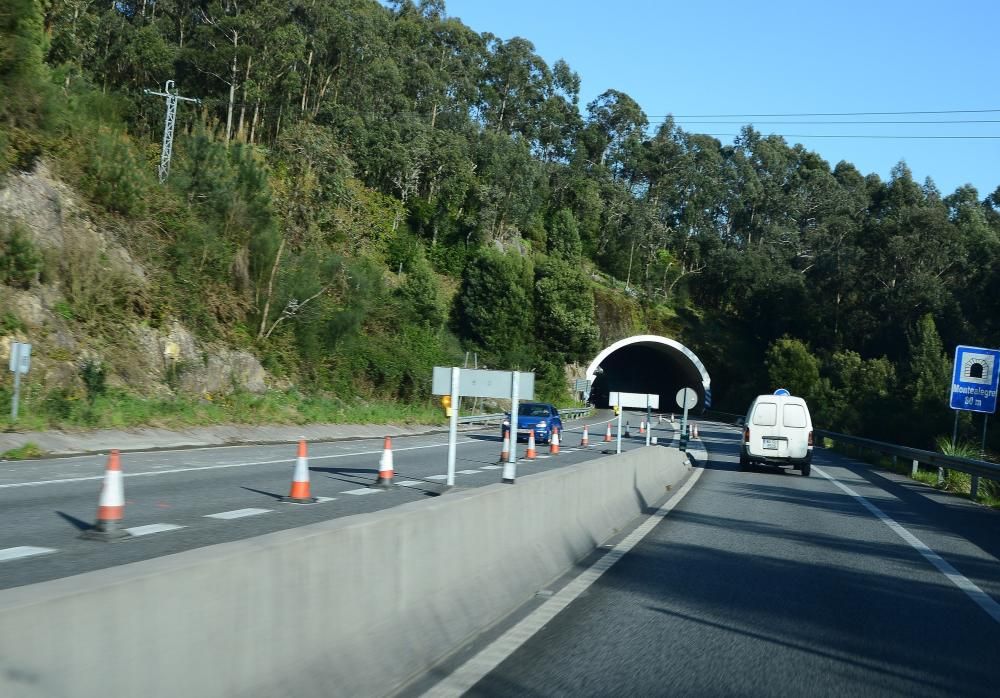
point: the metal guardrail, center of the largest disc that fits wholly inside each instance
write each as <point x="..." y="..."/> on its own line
<point x="975" y="468"/>
<point x="571" y="413"/>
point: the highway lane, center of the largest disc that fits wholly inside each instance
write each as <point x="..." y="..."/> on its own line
<point x="177" y="500"/>
<point x="768" y="583"/>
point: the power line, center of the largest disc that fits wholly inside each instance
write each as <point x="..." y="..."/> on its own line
<point x="850" y="123"/>
<point x="845" y="113"/>
<point x="846" y="135"/>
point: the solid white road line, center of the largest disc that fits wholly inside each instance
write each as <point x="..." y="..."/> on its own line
<point x="436" y="477"/>
<point x="237" y="513"/>
<point x="152" y="528"/>
<point x="467" y="472"/>
<point x="409" y="483"/>
<point x="984" y="600"/>
<point x="22" y="551"/>
<point x="470" y="673"/>
<point x="491" y="467"/>
<point x="363" y="490"/>
<point x="225" y="465"/>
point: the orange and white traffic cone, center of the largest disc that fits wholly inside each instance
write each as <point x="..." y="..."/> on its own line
<point x="385" y="473"/>
<point x="607" y="435"/>
<point x="530" y="453"/>
<point x="111" y="505"/>
<point x="554" y="442"/>
<point x="300" y="479"/>
<point x="505" y="449"/>
<point x="585" y="439"/>
<point x="642" y="428"/>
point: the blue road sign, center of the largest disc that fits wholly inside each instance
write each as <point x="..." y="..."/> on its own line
<point x="781" y="391"/>
<point x="974" y="379"/>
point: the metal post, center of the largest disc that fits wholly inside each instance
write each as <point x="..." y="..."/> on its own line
<point x="974" y="486"/>
<point x="168" y="126"/>
<point x="15" y="349"/>
<point x="510" y="467"/>
<point x="453" y="426"/>
<point x="649" y="423"/>
<point x="954" y="432"/>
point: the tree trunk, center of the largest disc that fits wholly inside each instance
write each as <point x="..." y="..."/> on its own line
<point x="253" y="121"/>
<point x="305" y="87"/>
<point x="232" y="90"/>
<point x="243" y="104"/>
<point x="270" y="290"/>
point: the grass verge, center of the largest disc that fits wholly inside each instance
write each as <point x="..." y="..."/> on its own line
<point x="28" y="450"/>
<point x="120" y="410"/>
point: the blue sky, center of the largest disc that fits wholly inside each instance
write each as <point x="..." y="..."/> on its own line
<point x="783" y="57"/>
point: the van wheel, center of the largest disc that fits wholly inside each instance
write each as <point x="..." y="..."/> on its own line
<point x="806" y="468"/>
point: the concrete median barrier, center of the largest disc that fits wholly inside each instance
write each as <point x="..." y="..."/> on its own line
<point x="350" y="607"/>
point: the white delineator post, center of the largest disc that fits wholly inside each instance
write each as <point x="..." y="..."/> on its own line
<point x="453" y="426"/>
<point x="510" y="467"/>
<point x="618" y="448"/>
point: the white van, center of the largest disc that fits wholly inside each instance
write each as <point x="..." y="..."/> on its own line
<point x="778" y="430"/>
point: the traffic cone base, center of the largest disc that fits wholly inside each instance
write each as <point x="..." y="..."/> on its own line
<point x="385" y="470"/>
<point x="106" y="532"/>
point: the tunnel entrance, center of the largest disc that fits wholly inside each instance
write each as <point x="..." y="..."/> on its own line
<point x="648" y="364"/>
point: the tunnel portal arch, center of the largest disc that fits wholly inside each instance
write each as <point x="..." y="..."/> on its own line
<point x="648" y="364"/>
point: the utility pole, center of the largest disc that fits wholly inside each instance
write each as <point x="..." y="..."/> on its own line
<point x="168" y="127"/>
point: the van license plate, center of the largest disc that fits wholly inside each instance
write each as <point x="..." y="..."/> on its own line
<point x="771" y="444"/>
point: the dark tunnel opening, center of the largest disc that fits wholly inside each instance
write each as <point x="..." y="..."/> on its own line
<point x="644" y="368"/>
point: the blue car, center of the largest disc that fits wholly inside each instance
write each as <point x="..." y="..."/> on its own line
<point x="540" y="417"/>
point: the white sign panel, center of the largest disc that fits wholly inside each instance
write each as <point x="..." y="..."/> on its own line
<point x="642" y="400"/>
<point x="20" y="357"/>
<point x="687" y="398"/>
<point x="477" y="382"/>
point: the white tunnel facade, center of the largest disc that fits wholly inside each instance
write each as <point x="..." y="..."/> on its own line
<point x="649" y="364"/>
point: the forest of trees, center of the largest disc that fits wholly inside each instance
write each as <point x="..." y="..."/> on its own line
<point x="368" y="189"/>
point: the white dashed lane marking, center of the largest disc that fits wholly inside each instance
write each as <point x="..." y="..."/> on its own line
<point x="237" y="513"/>
<point x="468" y="472"/>
<point x="152" y="528"/>
<point x="491" y="467"/>
<point x="409" y="483"/>
<point x="363" y="490"/>
<point x="437" y="477"/>
<point x="22" y="551"/>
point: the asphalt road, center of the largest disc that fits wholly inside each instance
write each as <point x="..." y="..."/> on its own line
<point x="767" y="583"/>
<point x="177" y="500"/>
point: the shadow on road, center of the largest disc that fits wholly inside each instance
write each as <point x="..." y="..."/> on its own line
<point x="79" y="524"/>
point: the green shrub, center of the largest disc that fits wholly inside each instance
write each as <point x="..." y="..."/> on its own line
<point x="20" y="261"/>
<point x="93" y="376"/>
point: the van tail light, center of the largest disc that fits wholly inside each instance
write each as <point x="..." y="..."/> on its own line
<point x="746" y="435"/>
<point x="810" y="437"/>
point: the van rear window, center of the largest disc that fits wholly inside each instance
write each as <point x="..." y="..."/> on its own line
<point x="794" y="416"/>
<point x="766" y="414"/>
